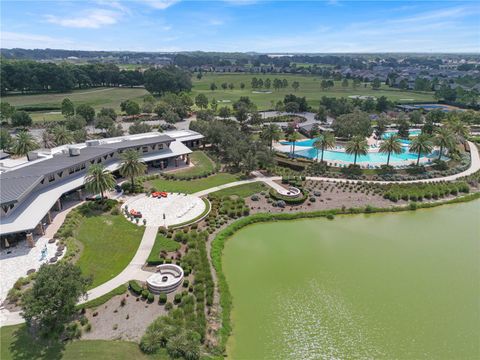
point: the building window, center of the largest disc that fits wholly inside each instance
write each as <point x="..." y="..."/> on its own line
<point x="99" y="160"/>
<point x="71" y="170"/>
<point x="60" y="174"/>
<point x="51" y="177"/>
<point x="145" y="149"/>
<point x="111" y="155"/>
<point x="160" y="146"/>
<point x="82" y="166"/>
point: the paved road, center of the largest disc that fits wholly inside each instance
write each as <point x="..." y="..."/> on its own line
<point x="134" y="269"/>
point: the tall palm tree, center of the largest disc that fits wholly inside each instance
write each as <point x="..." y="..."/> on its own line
<point x="24" y="143"/>
<point x="271" y="133"/>
<point x="98" y="179"/>
<point x="458" y="128"/>
<point x="421" y="144"/>
<point x="324" y="141"/>
<point x="444" y="138"/>
<point x="61" y="135"/>
<point x="132" y="166"/>
<point x="293" y="138"/>
<point x="358" y="145"/>
<point x="391" y="145"/>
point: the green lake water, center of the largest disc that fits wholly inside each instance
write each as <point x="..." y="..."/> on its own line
<point x="384" y="286"/>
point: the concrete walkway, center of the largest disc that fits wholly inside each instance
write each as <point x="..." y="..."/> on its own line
<point x="134" y="271"/>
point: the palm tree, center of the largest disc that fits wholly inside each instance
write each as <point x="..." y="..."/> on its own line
<point x="98" y="180"/>
<point x="293" y="138"/>
<point x="271" y="133"/>
<point x="61" y="135"/>
<point x="47" y="140"/>
<point x="421" y="144"/>
<point x="445" y="139"/>
<point x="324" y="141"/>
<point x="458" y="128"/>
<point x="132" y="166"/>
<point x="24" y="143"/>
<point x="357" y="146"/>
<point x="391" y="145"/>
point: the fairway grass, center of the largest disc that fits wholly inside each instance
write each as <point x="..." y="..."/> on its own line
<point x="192" y="186"/>
<point x="309" y="87"/>
<point x="242" y="191"/>
<point x="96" y="97"/>
<point x="16" y="343"/>
<point x="109" y="243"/>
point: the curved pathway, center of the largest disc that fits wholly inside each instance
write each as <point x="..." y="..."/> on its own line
<point x="134" y="271"/>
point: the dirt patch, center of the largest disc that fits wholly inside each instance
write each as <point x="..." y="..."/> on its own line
<point x="329" y="196"/>
<point x="128" y="322"/>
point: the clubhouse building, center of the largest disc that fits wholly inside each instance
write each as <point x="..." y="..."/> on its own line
<point x="31" y="189"/>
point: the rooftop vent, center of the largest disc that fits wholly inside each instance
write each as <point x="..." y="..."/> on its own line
<point x="92" y="142"/>
<point x="73" y="151"/>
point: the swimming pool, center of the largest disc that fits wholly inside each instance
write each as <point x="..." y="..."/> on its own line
<point x="388" y="134"/>
<point x="371" y="157"/>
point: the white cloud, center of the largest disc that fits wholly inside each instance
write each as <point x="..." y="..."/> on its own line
<point x="33" y="41"/>
<point x="92" y="19"/>
<point x="160" y="4"/>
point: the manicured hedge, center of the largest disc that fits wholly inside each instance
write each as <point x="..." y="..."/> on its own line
<point x="421" y="191"/>
<point x="135" y="287"/>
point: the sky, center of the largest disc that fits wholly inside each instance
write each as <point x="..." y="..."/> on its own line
<point x="243" y="25"/>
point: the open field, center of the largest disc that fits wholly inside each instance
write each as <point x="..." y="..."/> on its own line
<point x="192" y="186"/>
<point x="16" y="343"/>
<point x="109" y="244"/>
<point x="97" y="97"/>
<point x="309" y="87"/>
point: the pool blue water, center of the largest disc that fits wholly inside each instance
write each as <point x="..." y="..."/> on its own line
<point x="373" y="157"/>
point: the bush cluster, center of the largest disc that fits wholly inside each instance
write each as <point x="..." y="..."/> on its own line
<point x="135" y="287"/>
<point x="421" y="191"/>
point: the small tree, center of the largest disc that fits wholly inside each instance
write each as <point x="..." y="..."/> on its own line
<point x="50" y="304"/>
<point x="61" y="135"/>
<point x="21" y="119"/>
<point x="213" y="86"/>
<point x="68" y="109"/>
<point x="130" y="107"/>
<point x="87" y="112"/>
<point x="6" y="111"/>
<point x="295" y="85"/>
<point x="201" y="101"/>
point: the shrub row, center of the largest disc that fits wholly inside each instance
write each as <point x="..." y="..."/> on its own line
<point x="420" y="191"/>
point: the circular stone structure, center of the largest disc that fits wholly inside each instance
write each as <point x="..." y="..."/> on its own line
<point x="167" y="278"/>
<point x="166" y="211"/>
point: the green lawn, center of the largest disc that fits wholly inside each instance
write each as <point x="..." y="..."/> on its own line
<point x="97" y="97"/>
<point x="109" y="244"/>
<point x="242" y="191"/>
<point x="17" y="344"/>
<point x="203" y="164"/>
<point x="192" y="186"/>
<point x="162" y="244"/>
<point x="309" y="87"/>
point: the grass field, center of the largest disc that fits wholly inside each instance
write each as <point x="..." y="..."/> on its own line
<point x="109" y="244"/>
<point x="162" y="244"/>
<point x="309" y="87"/>
<point x="242" y="191"/>
<point x="17" y="344"/>
<point x="192" y="186"/>
<point x="98" y="98"/>
<point x="203" y="164"/>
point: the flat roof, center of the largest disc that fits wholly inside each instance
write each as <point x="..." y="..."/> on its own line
<point x="15" y="183"/>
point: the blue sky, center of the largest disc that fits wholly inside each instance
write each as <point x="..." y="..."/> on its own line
<point x="248" y="25"/>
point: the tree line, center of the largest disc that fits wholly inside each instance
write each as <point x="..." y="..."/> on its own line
<point x="30" y="76"/>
